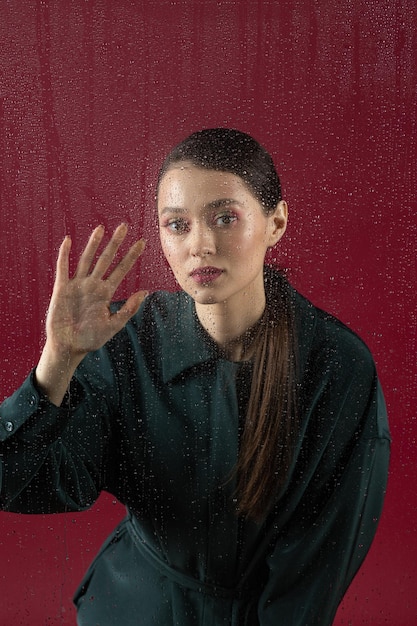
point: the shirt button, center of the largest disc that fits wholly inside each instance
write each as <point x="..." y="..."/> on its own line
<point x="32" y="400"/>
<point x="9" y="426"/>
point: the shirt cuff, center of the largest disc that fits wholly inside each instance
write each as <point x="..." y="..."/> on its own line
<point x="30" y="412"/>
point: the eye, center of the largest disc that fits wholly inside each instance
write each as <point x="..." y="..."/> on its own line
<point x="225" y="219"/>
<point x="178" y="226"/>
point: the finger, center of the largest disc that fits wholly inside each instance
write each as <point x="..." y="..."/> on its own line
<point x="126" y="264"/>
<point x="130" y="307"/>
<point x="87" y="257"/>
<point x="106" y="258"/>
<point x="132" y="304"/>
<point x="62" y="264"/>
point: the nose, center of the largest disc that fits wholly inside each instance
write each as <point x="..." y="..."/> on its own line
<point x="202" y="241"/>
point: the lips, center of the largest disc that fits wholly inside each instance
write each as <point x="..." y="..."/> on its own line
<point x="204" y="275"/>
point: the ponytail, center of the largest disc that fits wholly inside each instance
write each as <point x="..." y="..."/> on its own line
<point x="270" y="431"/>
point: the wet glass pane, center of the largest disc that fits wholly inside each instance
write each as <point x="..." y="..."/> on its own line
<point x="93" y="94"/>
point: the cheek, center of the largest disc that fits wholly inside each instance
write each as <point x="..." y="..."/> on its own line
<point x="164" y="244"/>
<point x="169" y="248"/>
<point x="249" y="242"/>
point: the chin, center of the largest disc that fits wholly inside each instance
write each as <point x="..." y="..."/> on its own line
<point x="203" y="298"/>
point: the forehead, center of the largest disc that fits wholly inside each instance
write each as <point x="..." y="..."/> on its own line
<point x="185" y="183"/>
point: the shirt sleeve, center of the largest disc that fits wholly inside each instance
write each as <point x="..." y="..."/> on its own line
<point x="51" y="458"/>
<point x="327" y="536"/>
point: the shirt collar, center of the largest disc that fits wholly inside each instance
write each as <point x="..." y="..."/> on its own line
<point x="185" y="342"/>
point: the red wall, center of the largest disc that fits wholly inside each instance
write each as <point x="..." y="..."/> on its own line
<point x="92" y="94"/>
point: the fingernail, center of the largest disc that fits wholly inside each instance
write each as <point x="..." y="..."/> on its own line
<point x="140" y="245"/>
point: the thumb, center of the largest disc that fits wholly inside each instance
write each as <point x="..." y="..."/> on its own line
<point x="131" y="306"/>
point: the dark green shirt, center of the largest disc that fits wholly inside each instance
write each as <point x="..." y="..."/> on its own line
<point x="154" y="418"/>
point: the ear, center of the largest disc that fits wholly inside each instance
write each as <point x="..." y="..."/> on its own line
<point x="278" y="222"/>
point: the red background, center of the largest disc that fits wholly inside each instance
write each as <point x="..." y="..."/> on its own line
<point x="94" y="92"/>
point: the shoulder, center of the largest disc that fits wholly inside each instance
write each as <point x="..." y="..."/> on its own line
<point x="161" y="309"/>
<point x="332" y="334"/>
<point x="339" y="344"/>
<point x="337" y="373"/>
<point x="323" y="341"/>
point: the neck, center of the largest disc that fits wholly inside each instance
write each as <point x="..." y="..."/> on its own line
<point x="232" y="328"/>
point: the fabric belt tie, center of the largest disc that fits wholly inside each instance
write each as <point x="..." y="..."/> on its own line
<point x="175" y="575"/>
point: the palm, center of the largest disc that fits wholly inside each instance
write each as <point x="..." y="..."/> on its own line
<point x="79" y="318"/>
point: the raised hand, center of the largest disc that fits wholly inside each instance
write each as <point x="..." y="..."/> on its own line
<point x="79" y="318"/>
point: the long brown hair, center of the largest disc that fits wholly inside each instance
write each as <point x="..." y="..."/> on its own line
<point x="270" y="430"/>
<point x="267" y="442"/>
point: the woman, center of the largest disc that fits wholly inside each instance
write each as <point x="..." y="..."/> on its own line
<point x="243" y="428"/>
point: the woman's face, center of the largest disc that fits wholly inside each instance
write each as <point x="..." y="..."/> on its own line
<point x="215" y="234"/>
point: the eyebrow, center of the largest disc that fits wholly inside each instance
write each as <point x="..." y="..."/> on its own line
<point x="215" y="204"/>
<point x="220" y="203"/>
